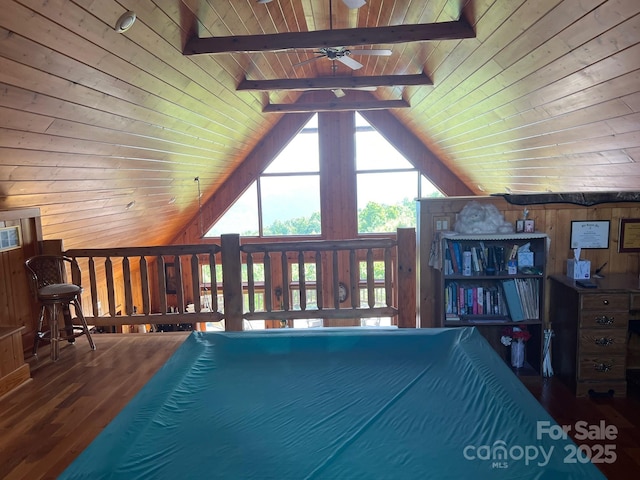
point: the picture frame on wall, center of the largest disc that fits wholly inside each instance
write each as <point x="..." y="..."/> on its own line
<point x="590" y="234"/>
<point x="629" y="235"/>
<point x="10" y="238"/>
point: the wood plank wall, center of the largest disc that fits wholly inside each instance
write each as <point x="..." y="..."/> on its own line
<point x="553" y="219"/>
<point x="16" y="300"/>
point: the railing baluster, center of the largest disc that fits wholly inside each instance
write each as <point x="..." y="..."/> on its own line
<point x="285" y="281"/>
<point x="268" y="290"/>
<point x="354" y="278"/>
<point x="388" y="277"/>
<point x="195" y="282"/>
<point x="162" y="284"/>
<point x="336" y="281"/>
<point x="302" y="286"/>
<point x="319" y="278"/>
<point x="111" y="295"/>
<point x="93" y="286"/>
<point x="371" y="279"/>
<point x="251" y="286"/>
<point x="177" y="263"/>
<point x="144" y="281"/>
<point x="214" y="282"/>
<point x="128" y="296"/>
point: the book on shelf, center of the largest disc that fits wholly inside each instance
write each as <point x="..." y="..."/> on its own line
<point x="462" y="298"/>
<point x="513" y="299"/>
<point x="523" y="298"/>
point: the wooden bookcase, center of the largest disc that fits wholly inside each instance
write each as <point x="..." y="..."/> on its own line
<point x="485" y="295"/>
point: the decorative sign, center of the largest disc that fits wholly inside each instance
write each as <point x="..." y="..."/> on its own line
<point x="590" y="234"/>
<point x="629" y="235"/>
<point x="9" y="238"/>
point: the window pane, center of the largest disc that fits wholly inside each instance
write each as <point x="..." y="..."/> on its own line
<point x="290" y="205"/>
<point x="301" y="154"/>
<point x="428" y="189"/>
<point x="241" y="218"/>
<point x="386" y="201"/>
<point x="373" y="152"/>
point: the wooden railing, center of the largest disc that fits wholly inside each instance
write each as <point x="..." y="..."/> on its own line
<point x="133" y="284"/>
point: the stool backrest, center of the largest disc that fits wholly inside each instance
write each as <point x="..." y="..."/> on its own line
<point x="47" y="270"/>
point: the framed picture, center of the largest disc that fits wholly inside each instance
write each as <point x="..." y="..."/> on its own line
<point x="171" y="282"/>
<point x="590" y="234"/>
<point x="629" y="235"/>
<point x="10" y="238"/>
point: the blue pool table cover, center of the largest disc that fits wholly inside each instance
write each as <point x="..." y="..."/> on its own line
<point x="331" y="404"/>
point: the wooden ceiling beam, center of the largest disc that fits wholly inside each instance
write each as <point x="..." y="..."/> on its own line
<point x="328" y="83"/>
<point x="334" y="106"/>
<point x="453" y="30"/>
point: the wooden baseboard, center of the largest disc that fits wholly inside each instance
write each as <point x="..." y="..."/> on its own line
<point x="14" y="379"/>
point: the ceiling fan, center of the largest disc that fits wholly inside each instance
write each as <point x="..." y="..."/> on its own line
<point x="343" y="55"/>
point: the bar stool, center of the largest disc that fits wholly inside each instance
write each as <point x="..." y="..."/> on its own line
<point x="55" y="295"/>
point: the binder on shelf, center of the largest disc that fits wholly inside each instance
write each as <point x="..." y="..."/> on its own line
<point x="454" y="258"/>
<point x="513" y="300"/>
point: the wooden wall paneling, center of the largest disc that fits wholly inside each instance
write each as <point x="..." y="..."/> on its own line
<point x="242" y="177"/>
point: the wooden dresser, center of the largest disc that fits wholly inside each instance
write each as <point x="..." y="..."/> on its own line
<point x="591" y="328"/>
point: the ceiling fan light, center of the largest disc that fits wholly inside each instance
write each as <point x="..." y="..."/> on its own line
<point x="353" y="4"/>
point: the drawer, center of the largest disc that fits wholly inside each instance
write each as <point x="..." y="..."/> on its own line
<point x="604" y="319"/>
<point x="604" y="302"/>
<point x="601" y="367"/>
<point x="603" y="341"/>
<point x="618" y="388"/>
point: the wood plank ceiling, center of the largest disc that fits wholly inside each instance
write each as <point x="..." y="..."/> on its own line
<point x="546" y="97"/>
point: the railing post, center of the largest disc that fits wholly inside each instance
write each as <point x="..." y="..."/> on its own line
<point x="232" y="281"/>
<point x="406" y="286"/>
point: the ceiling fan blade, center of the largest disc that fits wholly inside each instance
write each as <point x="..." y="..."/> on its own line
<point x="353" y="4"/>
<point x="312" y="59"/>
<point x="349" y="62"/>
<point x="380" y="53"/>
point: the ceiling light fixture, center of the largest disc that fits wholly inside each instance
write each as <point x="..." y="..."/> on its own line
<point x="265" y="1"/>
<point x="126" y="20"/>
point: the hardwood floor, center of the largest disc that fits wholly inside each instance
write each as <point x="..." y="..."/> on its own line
<point x="46" y="423"/>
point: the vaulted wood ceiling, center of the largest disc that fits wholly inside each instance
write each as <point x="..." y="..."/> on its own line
<point x="545" y="97"/>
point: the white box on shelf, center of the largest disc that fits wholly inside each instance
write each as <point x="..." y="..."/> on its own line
<point x="579" y="269"/>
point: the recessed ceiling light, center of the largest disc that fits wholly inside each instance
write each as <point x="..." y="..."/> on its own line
<point x="130" y="204"/>
<point x="125" y="21"/>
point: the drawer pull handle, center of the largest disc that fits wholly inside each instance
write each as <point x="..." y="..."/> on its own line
<point x="605" y="301"/>
<point x="604" y="320"/>
<point x="602" y="367"/>
<point x="604" y="342"/>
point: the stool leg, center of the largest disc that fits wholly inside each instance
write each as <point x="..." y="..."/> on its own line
<point x="80" y="315"/>
<point x="39" y="332"/>
<point x="55" y="340"/>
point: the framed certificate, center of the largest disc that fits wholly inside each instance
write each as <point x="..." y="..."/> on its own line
<point x="629" y="235"/>
<point x="590" y="234"/>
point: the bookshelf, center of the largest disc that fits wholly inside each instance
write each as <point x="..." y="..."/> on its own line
<point x="479" y="286"/>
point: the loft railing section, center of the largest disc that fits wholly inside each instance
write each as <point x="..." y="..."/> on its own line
<point x="253" y="281"/>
